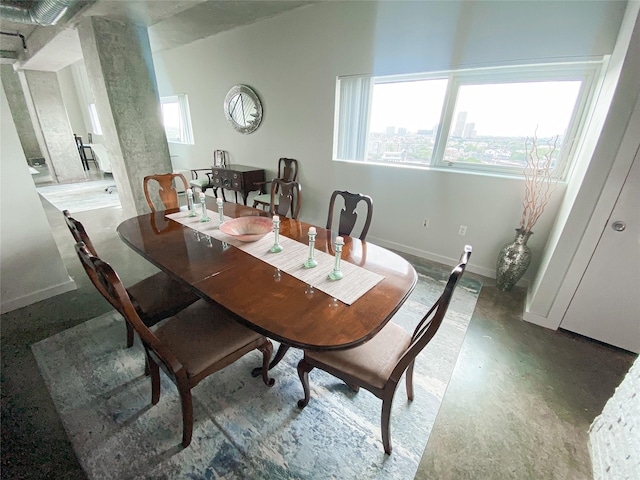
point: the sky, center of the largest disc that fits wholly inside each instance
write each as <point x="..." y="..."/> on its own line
<point x="508" y="110"/>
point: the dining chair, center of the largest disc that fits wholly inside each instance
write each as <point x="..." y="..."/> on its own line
<point x="189" y="346"/>
<point x="202" y="178"/>
<point x="348" y="218"/>
<point x="286" y="198"/>
<point x="287" y="171"/>
<point x="82" y="150"/>
<point x="348" y="215"/>
<point x="167" y="191"/>
<point x="155" y="298"/>
<point x="378" y="365"/>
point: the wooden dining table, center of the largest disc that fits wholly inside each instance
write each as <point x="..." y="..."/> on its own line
<point x="265" y="299"/>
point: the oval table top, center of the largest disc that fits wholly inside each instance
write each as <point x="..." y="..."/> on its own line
<point x="275" y="303"/>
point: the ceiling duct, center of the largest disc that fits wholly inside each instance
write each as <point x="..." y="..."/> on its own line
<point x="45" y="12"/>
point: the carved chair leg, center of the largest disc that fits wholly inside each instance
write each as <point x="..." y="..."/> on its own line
<point x="154" y="373"/>
<point x="267" y="349"/>
<point x="129" y="334"/>
<point x="282" y="349"/>
<point x="387" y="400"/>
<point x="187" y="415"/>
<point x="409" y="379"/>
<point x="303" y="372"/>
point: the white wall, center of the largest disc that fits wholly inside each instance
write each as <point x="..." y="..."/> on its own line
<point x="71" y="101"/>
<point x="292" y="61"/>
<point x="31" y="268"/>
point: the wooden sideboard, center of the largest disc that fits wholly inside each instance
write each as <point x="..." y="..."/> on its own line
<point x="239" y="178"/>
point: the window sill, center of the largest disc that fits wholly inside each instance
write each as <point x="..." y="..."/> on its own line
<point x="454" y="170"/>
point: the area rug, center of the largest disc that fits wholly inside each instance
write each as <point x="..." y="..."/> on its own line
<point x="244" y="429"/>
<point x="81" y="197"/>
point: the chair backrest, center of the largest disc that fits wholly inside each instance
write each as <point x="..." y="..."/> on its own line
<point x="289" y="196"/>
<point x="110" y="286"/>
<point x="430" y="323"/>
<point x="220" y="158"/>
<point x="78" y="231"/>
<point x="348" y="215"/>
<point x="167" y="192"/>
<point x="288" y="169"/>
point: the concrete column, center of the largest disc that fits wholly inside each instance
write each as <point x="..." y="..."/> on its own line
<point x="20" y="112"/>
<point x="120" y="68"/>
<point x="52" y="117"/>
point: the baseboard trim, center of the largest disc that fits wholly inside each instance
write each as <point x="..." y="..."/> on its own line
<point x="486" y="272"/>
<point x="37" y="296"/>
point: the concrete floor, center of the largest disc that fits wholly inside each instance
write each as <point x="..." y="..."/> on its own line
<point x="518" y="406"/>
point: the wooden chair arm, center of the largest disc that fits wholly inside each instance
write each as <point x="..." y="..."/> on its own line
<point x="194" y="172"/>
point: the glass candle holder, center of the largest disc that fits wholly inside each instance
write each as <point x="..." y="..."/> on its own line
<point x="219" y="202"/>
<point x="311" y="262"/>
<point x="336" y="274"/>
<point x="204" y="217"/>
<point x="191" y="204"/>
<point x="276" y="230"/>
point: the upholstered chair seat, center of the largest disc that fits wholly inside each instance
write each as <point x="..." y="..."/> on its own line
<point x="205" y="339"/>
<point x="372" y="362"/>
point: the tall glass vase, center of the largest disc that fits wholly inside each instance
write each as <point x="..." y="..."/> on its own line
<point x="513" y="261"/>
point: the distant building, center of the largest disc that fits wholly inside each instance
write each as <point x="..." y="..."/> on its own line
<point x="402" y="131"/>
<point x="460" y="123"/>
<point x="469" y="130"/>
<point x="391" y="130"/>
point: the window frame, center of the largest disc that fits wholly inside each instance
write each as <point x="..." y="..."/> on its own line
<point x="185" y="129"/>
<point x="588" y="72"/>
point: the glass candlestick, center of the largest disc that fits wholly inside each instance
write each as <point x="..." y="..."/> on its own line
<point x="190" y="204"/>
<point x="276" y="230"/>
<point x="219" y="202"/>
<point x="311" y="262"/>
<point x="336" y="274"/>
<point x="204" y="217"/>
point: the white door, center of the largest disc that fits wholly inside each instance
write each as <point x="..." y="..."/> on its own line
<point x="606" y="305"/>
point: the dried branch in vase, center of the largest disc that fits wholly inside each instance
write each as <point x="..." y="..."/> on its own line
<point x="539" y="181"/>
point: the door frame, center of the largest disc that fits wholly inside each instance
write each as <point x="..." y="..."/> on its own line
<point x="629" y="147"/>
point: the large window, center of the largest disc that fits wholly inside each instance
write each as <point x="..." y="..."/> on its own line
<point x="177" y="119"/>
<point x="474" y="120"/>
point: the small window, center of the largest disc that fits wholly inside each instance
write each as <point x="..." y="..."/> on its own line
<point x="95" y="121"/>
<point x="466" y="120"/>
<point x="177" y="119"/>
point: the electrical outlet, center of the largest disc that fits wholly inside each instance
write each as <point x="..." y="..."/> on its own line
<point x="425" y="223"/>
<point x="462" y="231"/>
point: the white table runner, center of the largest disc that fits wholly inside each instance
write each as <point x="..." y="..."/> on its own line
<point x="356" y="281"/>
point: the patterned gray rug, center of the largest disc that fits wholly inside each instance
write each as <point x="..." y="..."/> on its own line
<point x="81" y="197"/>
<point x="244" y="429"/>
